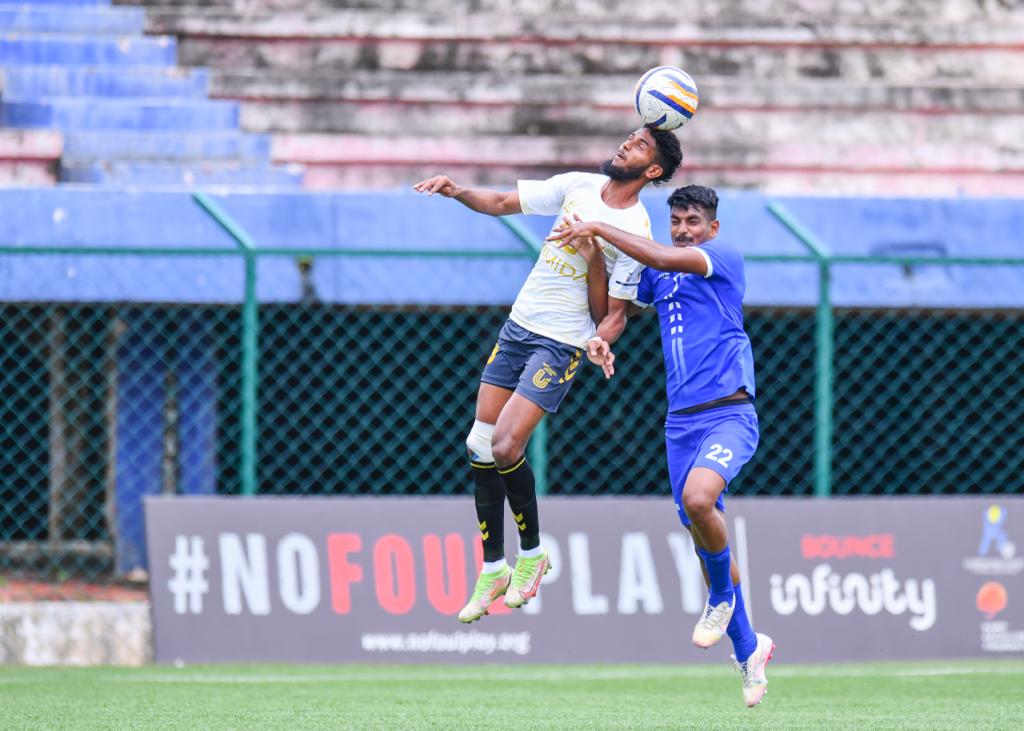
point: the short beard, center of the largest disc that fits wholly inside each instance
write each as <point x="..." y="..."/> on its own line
<point x="621" y="174"/>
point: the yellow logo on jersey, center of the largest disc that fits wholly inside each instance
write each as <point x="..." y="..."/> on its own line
<point x="494" y="353"/>
<point x="562" y="268"/>
<point x="542" y="378"/>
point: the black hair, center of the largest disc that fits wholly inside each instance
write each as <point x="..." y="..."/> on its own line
<point x="697" y="196"/>
<point x="669" y="153"/>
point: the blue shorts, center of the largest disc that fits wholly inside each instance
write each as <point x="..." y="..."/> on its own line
<point x="537" y="368"/>
<point x="722" y="439"/>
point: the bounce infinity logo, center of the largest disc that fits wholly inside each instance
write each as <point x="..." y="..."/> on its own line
<point x="851" y="591"/>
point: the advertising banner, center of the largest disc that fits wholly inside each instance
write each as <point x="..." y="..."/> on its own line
<point x="382" y="580"/>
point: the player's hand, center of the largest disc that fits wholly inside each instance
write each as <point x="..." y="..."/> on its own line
<point x="600" y="353"/>
<point x="586" y="246"/>
<point x="438" y="184"/>
<point x="570" y="232"/>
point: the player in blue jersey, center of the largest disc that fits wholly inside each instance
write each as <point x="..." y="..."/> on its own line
<point x="697" y="285"/>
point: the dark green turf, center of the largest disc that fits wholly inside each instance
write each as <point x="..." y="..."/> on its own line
<point x="960" y="695"/>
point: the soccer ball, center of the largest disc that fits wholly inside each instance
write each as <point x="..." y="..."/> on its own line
<point x="666" y="97"/>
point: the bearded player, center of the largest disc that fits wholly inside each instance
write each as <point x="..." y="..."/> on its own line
<point x="532" y="366"/>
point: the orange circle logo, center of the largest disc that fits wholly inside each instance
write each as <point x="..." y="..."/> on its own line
<point x="991" y="599"/>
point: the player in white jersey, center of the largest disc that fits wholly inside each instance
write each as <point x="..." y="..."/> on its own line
<point x="531" y="368"/>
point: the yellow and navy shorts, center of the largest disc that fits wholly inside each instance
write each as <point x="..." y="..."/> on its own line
<point x="537" y="368"/>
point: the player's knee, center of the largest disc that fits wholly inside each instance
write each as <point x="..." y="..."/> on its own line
<point x="507" y="451"/>
<point x="478" y="442"/>
<point x="698" y="502"/>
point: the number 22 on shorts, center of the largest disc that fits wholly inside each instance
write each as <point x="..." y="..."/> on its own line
<point x="717" y="453"/>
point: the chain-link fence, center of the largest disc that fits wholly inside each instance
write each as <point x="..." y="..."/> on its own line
<point x="105" y="402"/>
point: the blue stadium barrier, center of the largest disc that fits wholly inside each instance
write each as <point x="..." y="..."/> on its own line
<point x="142" y="361"/>
<point x="69" y="18"/>
<point x="205" y="146"/>
<point x="403" y="221"/>
<point x="33" y="83"/>
<point x="74" y="113"/>
<point x="41" y="49"/>
<point x="200" y="173"/>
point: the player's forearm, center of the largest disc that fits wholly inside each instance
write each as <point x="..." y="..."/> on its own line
<point x="491" y="202"/>
<point x="597" y="291"/>
<point x="636" y="247"/>
<point x="612" y="325"/>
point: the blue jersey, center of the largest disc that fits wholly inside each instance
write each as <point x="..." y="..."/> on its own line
<point x="707" y="352"/>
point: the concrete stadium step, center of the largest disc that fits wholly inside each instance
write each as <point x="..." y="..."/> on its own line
<point x="83" y="113"/>
<point x="559" y="27"/>
<point x="44" y="49"/>
<point x="352" y="161"/>
<point x="35" y="82"/>
<point x="710" y="126"/>
<point x="589" y="152"/>
<point x="86" y="147"/>
<point x="735" y="11"/>
<point x="770" y="180"/>
<point x="863" y="63"/>
<point x="29" y="157"/>
<point x="71" y="18"/>
<point x="117" y="173"/>
<point x="490" y="89"/>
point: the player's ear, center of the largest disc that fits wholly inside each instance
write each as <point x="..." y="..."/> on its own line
<point x="713" y="230"/>
<point x="654" y="171"/>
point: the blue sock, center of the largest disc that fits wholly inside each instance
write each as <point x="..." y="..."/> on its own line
<point x="744" y="641"/>
<point x="718" y="565"/>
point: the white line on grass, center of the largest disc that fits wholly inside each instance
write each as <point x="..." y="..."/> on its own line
<point x="527" y="673"/>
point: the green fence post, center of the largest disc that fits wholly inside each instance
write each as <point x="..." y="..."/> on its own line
<point x="538" y="448"/>
<point x="823" y="393"/>
<point x="250" y="341"/>
<point x="824" y="351"/>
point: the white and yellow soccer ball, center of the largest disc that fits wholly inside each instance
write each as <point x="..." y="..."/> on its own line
<point x="666" y="97"/>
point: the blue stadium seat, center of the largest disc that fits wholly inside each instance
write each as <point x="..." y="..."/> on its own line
<point x="82" y="147"/>
<point x="29" y="83"/>
<point x="71" y="113"/>
<point x="200" y="174"/>
<point x="40" y="48"/>
<point x="70" y="18"/>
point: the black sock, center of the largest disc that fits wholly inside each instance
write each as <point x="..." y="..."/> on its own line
<point x="522" y="498"/>
<point x="489" y="495"/>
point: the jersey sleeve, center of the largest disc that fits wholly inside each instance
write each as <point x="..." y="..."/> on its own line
<point x="725" y="263"/>
<point x="544" y="197"/>
<point x="624" y="280"/>
<point x="645" y="290"/>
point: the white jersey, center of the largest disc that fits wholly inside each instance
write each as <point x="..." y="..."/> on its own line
<point x="554" y="301"/>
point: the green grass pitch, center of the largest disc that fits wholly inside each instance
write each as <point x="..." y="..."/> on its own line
<point x="953" y="695"/>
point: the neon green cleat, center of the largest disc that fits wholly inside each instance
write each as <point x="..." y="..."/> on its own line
<point x="488" y="588"/>
<point x="526" y="579"/>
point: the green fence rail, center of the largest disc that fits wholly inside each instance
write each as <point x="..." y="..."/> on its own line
<point x="105" y="401"/>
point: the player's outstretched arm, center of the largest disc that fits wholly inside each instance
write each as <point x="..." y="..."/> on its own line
<point x="481" y="200"/>
<point x="645" y="251"/>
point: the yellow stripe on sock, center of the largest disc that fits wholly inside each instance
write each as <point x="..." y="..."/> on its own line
<point x="513" y="468"/>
